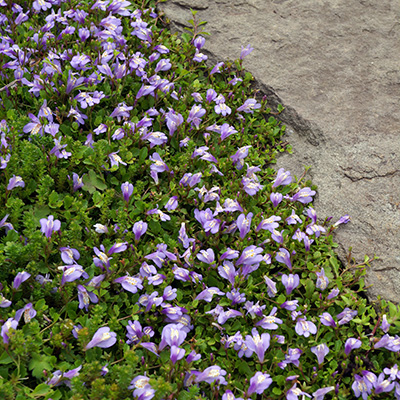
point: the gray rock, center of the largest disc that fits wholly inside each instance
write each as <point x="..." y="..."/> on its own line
<point x="335" y="66"/>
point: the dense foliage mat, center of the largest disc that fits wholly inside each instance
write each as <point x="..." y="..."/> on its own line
<point x="147" y="247"/>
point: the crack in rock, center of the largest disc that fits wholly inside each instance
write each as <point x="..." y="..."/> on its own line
<point x="370" y="178"/>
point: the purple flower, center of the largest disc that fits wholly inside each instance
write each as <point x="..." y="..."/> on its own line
<point x="235" y="81"/>
<point x="212" y="374"/>
<point x="102" y="338"/>
<point x="139" y="229"/>
<point x="130" y="283"/>
<point x="11" y="323"/>
<point x="291" y="358"/>
<point x="4" y="303"/>
<point x="176" y="354"/>
<point x="78" y="117"/>
<point x="163" y="65"/>
<point x="199" y="42"/>
<point x="155" y="138"/>
<point x="102" y="260"/>
<point x="77" y="182"/>
<point x="294" y="392"/>
<point x="259" y="383"/>
<point x="258" y="344"/>
<point x="243" y="223"/>
<point x="343" y="220"/>
<point x="245" y="51"/>
<point x="15" y="181"/>
<point x="249" y="106"/>
<point x="89" y="99"/>
<point x="135" y="332"/>
<point x="211" y="95"/>
<point x="232" y="205"/>
<point x="172" y="203"/>
<point x="173" y="120"/>
<point x="290" y="282"/>
<point x="304" y="195"/>
<point x="216" y="69"/>
<point x="393" y="372"/>
<point x="320" y="351"/>
<point x="360" y="388"/>
<point x="72" y="273"/>
<point x="208" y="294"/>
<point x="269" y="322"/>
<point x="199" y="57"/>
<point x="227" y="271"/>
<point x="327" y="320"/>
<point x="250" y="186"/>
<point x="4" y="161"/>
<point x="290" y="305"/>
<point x="140" y="384"/>
<point x="49" y="225"/>
<point x="127" y="190"/>
<point x="293" y="219"/>
<point x="383" y="385"/>
<point x="269" y="223"/>
<point x="322" y="280"/>
<point x="115" y="159"/>
<point x="99" y="228"/>
<point x="240" y="155"/>
<point x="172" y="335"/>
<point x="28" y="311"/>
<point x="69" y="255"/>
<point x="346" y="316"/>
<point x="195" y="115"/>
<point x="236" y="297"/>
<point x="385" y="325"/>
<point x="351" y="344"/>
<point x="156" y="280"/>
<point x="277" y="236"/>
<point x="283" y="256"/>
<point x="333" y="293"/>
<point x="229" y="254"/>
<point x="320" y="393"/>
<point x="79" y="62"/>
<point x="33" y="127"/>
<point x="19" y="278"/>
<point x="305" y="328"/>
<point x="276" y="198"/>
<point x="85" y="297"/>
<point x="158" y="164"/>
<point x="282" y="178"/>
<point x="121" y="111"/>
<point x="59" y="149"/>
<point x="250" y="255"/>
<point x="206" y="256"/>
<point x="271" y="286"/>
<point x="315" y="229"/>
<point x="222" y="109"/>
<point x="45" y="111"/>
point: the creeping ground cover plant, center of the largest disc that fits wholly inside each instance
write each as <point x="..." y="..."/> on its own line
<point x="147" y="248"/>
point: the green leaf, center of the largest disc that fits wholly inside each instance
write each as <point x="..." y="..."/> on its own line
<point x="5" y="359"/>
<point x="54" y="200"/>
<point x="244" y="368"/>
<point x="97" y="199"/>
<point x="41" y="305"/>
<point x="39" y="363"/>
<point x="68" y="200"/>
<point x="92" y="182"/>
<point x="310" y="288"/>
<point x="41" y="390"/>
<point x="393" y="310"/>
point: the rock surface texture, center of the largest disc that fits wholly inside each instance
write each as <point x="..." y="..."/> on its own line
<point x="335" y="66"/>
